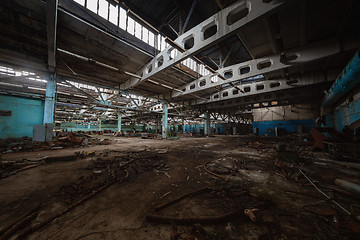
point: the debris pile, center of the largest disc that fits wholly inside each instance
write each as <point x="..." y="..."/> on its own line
<point x="62" y="140"/>
<point x="336" y="182"/>
<point x="105" y="172"/>
<point x="8" y="168"/>
<point x="220" y="206"/>
<point x="10" y="145"/>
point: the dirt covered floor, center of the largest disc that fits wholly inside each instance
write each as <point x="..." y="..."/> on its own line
<point x="222" y="187"/>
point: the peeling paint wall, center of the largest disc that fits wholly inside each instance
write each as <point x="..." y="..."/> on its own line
<point x="285" y="113"/>
<point x="25" y="113"/>
<point x="290" y="117"/>
<point x="345" y="114"/>
<point x="74" y="127"/>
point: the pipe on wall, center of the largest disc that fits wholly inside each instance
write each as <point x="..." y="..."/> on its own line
<point x="345" y="82"/>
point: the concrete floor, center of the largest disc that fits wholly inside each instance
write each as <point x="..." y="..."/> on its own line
<point x="162" y="171"/>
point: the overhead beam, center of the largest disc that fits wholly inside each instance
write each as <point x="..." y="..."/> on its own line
<point x="268" y="64"/>
<point x="188" y="16"/>
<point x="51" y="26"/>
<point x="238" y="33"/>
<point x="267" y="86"/>
<point x="227" y="21"/>
<point x="306" y="94"/>
<point x="79" y="90"/>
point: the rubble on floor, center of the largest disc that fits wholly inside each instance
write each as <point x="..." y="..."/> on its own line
<point x="62" y="140"/>
<point x="8" y="168"/>
<point x="220" y="188"/>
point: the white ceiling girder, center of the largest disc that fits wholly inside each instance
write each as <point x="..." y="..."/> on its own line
<point x="227" y="22"/>
<point x="266" y="86"/>
<point x="267" y="64"/>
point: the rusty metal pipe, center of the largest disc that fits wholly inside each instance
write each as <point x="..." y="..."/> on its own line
<point x="349" y="186"/>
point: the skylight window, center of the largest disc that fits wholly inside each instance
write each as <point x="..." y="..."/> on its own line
<point x="151" y="39"/>
<point x="119" y="17"/>
<point x="131" y="26"/>
<point x="81" y="2"/>
<point x="138" y="30"/>
<point x="113" y="16"/>
<point x="122" y="23"/>
<point x="92" y="6"/>
<point x="145" y="35"/>
<point x="103" y="8"/>
<point x="163" y="43"/>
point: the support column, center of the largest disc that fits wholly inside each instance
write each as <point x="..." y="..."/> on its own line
<point x="44" y="133"/>
<point x="49" y="107"/>
<point x="164" y="131"/>
<point x="99" y="124"/>
<point x="157" y="124"/>
<point x="229" y="128"/>
<point x="207" y="126"/>
<point x="183" y="124"/>
<point x="119" y="122"/>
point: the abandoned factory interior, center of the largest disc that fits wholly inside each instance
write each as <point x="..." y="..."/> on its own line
<point x="180" y="119"/>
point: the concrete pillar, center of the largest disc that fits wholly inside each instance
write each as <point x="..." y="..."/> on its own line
<point x="49" y="107"/>
<point x="157" y="124"/>
<point x="164" y="131"/>
<point x="119" y="122"/>
<point x="228" y="129"/>
<point x="207" y="127"/>
<point x="183" y="124"/>
<point x="99" y="124"/>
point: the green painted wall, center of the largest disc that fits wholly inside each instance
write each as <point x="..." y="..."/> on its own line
<point x="25" y="113"/>
<point x="73" y="127"/>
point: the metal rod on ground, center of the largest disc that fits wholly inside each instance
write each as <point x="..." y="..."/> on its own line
<point x="337" y="204"/>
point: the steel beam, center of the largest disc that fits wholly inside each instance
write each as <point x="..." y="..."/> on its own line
<point x="79" y="90"/>
<point x="268" y="64"/>
<point x="227" y="21"/>
<point x="307" y="94"/>
<point x="51" y="18"/>
<point x="265" y="87"/>
<point x="189" y="15"/>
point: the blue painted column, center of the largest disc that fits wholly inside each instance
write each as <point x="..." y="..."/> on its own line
<point x="207" y="124"/>
<point x="119" y="122"/>
<point x="49" y="108"/>
<point x="164" y="120"/>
